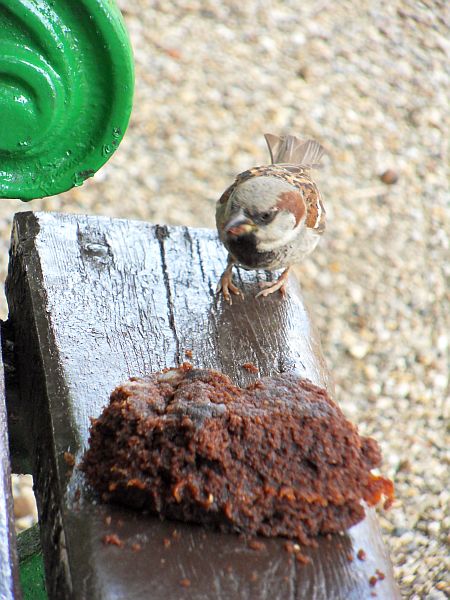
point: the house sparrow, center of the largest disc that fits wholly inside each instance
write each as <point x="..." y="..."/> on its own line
<point x="272" y="216"/>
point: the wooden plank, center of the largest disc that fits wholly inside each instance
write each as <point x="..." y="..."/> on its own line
<point x="17" y="418"/>
<point x="9" y="574"/>
<point x="94" y="301"/>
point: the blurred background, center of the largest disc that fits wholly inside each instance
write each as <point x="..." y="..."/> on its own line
<point x="371" y="82"/>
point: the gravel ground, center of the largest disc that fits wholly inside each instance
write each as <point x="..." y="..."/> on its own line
<point x="371" y="81"/>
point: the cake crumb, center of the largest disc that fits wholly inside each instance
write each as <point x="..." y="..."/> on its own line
<point x="185" y="582"/>
<point x="302" y="558"/>
<point x="380" y="574"/>
<point x="188" y="353"/>
<point x="108" y="520"/>
<point x="254" y="576"/>
<point x="256" y="545"/>
<point x="113" y="540"/>
<point x="166" y="542"/>
<point x="136" y="547"/>
<point x="250" y="367"/>
<point x="361" y="554"/>
<point x="69" y="459"/>
<point x="373" y="580"/>
<point x="291" y="547"/>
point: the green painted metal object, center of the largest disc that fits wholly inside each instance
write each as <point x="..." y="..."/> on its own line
<point x="32" y="578"/>
<point x="66" y="88"/>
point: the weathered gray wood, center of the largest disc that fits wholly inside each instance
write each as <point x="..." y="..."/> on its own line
<point x="9" y="575"/>
<point x="93" y="301"/>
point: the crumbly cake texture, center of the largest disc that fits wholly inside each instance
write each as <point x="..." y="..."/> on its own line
<point x="277" y="458"/>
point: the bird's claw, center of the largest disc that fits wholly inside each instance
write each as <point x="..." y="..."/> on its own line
<point x="269" y="287"/>
<point x="226" y="286"/>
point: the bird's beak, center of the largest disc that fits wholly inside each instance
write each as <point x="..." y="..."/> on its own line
<point x="239" y="225"/>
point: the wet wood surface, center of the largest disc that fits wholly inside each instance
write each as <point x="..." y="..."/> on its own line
<point x="94" y="301"/>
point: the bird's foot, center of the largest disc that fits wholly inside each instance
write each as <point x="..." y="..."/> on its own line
<point x="270" y="287"/>
<point x="226" y="286"/>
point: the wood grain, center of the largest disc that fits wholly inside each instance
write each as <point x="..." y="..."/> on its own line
<point x="94" y="301"/>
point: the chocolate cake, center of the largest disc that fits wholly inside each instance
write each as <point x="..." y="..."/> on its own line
<point x="277" y="458"/>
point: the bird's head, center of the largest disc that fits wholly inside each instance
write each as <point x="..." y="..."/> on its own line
<point x="266" y="208"/>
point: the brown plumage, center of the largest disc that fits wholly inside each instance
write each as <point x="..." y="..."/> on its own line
<point x="272" y="216"/>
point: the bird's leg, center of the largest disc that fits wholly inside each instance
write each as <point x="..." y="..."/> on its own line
<point x="271" y="287"/>
<point x="226" y="284"/>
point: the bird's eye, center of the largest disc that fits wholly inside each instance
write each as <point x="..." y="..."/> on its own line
<point x="267" y="216"/>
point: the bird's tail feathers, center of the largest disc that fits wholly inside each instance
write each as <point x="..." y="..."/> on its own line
<point x="290" y="150"/>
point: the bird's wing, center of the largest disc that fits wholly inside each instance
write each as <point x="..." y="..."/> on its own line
<point x="221" y="208"/>
<point x="315" y="211"/>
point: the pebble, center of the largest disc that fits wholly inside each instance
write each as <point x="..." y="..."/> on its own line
<point x="389" y="177"/>
<point x="25" y="509"/>
<point x="359" y="349"/>
<point x="24" y="502"/>
<point x="434" y="528"/>
<point x="211" y="78"/>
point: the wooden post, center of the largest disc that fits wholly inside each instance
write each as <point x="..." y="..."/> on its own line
<point x="9" y="575"/>
<point x="93" y="301"/>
